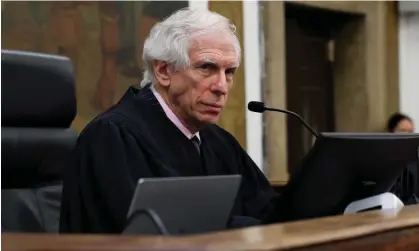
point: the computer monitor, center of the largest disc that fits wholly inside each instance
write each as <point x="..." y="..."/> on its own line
<point x="344" y="167"/>
<point x="182" y="205"/>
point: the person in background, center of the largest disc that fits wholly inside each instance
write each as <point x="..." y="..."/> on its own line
<point x="400" y="123"/>
<point x="407" y="186"/>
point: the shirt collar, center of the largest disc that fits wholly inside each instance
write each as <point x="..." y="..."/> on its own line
<point x="172" y="116"/>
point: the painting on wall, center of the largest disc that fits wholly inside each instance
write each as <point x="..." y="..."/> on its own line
<point x="103" y="39"/>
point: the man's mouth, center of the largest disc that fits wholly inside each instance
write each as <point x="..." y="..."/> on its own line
<point x="213" y="107"/>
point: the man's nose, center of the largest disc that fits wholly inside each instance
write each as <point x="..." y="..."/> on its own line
<point x="220" y="85"/>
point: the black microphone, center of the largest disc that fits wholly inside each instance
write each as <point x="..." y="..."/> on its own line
<point x="255" y="106"/>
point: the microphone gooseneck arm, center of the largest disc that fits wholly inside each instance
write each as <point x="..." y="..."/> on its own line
<point x="297" y="116"/>
<point x="257" y="106"/>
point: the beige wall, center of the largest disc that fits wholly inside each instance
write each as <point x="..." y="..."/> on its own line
<point x="233" y="118"/>
<point x="275" y="92"/>
<point x="365" y="72"/>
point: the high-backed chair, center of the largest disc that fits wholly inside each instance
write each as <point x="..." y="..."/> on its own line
<point x="38" y="105"/>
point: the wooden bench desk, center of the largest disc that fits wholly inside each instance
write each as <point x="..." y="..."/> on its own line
<point x="375" y="230"/>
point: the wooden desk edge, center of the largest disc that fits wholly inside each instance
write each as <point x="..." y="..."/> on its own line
<point x="296" y="235"/>
<point x="318" y="231"/>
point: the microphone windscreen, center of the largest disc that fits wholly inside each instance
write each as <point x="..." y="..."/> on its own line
<point x="255" y="106"/>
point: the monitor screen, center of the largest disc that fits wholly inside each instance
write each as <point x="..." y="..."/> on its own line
<point x="344" y="167"/>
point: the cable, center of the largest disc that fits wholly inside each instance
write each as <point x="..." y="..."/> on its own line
<point x="153" y="216"/>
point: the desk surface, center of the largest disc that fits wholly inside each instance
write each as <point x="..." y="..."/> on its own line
<point x="272" y="237"/>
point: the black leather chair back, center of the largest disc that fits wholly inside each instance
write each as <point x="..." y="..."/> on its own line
<point x="38" y="106"/>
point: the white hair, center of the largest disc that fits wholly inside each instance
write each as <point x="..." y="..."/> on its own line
<point x="170" y="40"/>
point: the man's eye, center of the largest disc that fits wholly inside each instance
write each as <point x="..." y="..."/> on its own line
<point x="230" y="72"/>
<point x="205" y="66"/>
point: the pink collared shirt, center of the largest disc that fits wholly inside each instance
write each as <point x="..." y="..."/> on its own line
<point x="175" y="120"/>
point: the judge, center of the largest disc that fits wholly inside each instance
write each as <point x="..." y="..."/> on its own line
<point x="165" y="129"/>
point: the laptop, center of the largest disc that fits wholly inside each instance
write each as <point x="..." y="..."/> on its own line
<point x="182" y="205"/>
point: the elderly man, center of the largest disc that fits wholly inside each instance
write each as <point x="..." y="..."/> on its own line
<point x="165" y="129"/>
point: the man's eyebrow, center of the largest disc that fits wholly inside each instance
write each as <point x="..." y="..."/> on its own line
<point x="206" y="61"/>
<point x="210" y="61"/>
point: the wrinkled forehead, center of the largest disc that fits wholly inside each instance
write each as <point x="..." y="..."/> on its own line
<point x="219" y="50"/>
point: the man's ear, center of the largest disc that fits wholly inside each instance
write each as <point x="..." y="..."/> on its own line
<point x="162" y="71"/>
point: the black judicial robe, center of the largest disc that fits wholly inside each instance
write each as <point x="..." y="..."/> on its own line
<point x="135" y="139"/>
